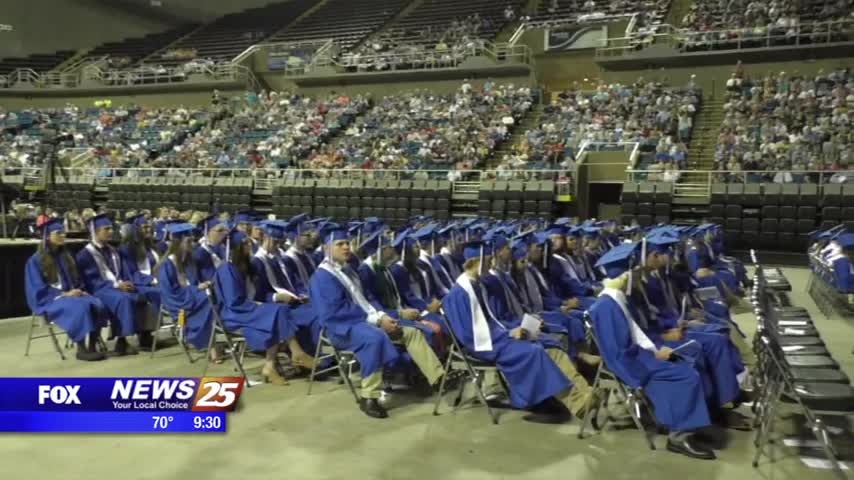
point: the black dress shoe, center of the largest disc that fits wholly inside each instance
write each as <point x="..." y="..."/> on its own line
<point x="735" y="421"/>
<point x="124" y="348"/>
<point x="146" y="340"/>
<point x="87" y="354"/>
<point x="690" y="449"/>
<point x="372" y="408"/>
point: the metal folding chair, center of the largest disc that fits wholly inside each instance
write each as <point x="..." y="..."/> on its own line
<point x="235" y="342"/>
<point x="460" y="362"/>
<point x="38" y="322"/>
<point x="344" y="361"/>
<point x="607" y="381"/>
<point x="174" y="329"/>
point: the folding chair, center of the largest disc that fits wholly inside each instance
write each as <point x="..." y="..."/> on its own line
<point x="342" y="358"/>
<point x="42" y="321"/>
<point x="607" y="381"/>
<point x="472" y="368"/>
<point x="234" y="341"/>
<point x="174" y="329"/>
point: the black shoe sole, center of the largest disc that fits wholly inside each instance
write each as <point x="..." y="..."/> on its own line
<point x="672" y="448"/>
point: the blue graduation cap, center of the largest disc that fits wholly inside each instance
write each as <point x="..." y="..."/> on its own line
<point x="476" y="249"/>
<point x="496" y="238"/>
<point x="327" y="227"/>
<point x="245" y="216"/>
<point x="276" y="229"/>
<point x="618" y="260"/>
<point x="374" y="243"/>
<point x="100" y="220"/>
<point x="520" y="250"/>
<point x="660" y="242"/>
<point x="590" y="231"/>
<point x="180" y="230"/>
<point x="564" y="221"/>
<point x="137" y="220"/>
<point x="555" y="229"/>
<point x="209" y="223"/>
<point x="846" y="240"/>
<point x="52" y="225"/>
<point x="334" y="234"/>
<point x="448" y="231"/>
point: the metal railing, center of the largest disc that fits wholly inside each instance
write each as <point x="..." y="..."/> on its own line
<point x="817" y="177"/>
<point x="322" y="46"/>
<point x="732" y="39"/>
<point x="106" y="174"/>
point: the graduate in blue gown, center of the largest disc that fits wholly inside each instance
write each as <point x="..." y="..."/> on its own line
<point x="440" y="280"/>
<point x="139" y="256"/>
<point x="266" y="326"/>
<point x="672" y="385"/>
<point x="299" y="257"/>
<point x="353" y="324"/>
<point x="413" y="281"/>
<point x="181" y="290"/>
<point x="450" y="253"/>
<point x="843" y="272"/>
<point x="101" y="270"/>
<point x="209" y="254"/>
<point x="54" y="290"/>
<point x="274" y="283"/>
<point x="381" y="290"/>
<point x="561" y="272"/>
<point x="534" y="373"/>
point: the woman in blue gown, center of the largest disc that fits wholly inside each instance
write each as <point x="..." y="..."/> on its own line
<point x="265" y="326"/>
<point x="181" y="290"/>
<point x="209" y="254"/>
<point x="54" y="291"/>
<point x="139" y="256"/>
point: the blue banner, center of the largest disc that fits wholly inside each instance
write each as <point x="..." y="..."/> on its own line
<point x="113" y="422"/>
<point x="120" y="394"/>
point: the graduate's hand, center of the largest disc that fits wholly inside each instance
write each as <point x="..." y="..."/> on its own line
<point x="74" y="293"/>
<point x="434" y="306"/>
<point x="389" y="325"/>
<point x="205" y="285"/>
<point x="672" y="335"/>
<point x="409" y="314"/>
<point x="664" y="353"/>
<point x="572" y="303"/>
<point x="696" y="314"/>
<point x="519" y="333"/>
<point x="126" y="286"/>
<point x="304" y="299"/>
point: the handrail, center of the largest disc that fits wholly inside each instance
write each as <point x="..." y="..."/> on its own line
<point x="517" y="34"/>
<point x="500" y="52"/>
<point x="732" y="39"/>
<point x="818" y="177"/>
<point x="249" y="51"/>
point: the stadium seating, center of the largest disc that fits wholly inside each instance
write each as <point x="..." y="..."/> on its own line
<point x="128" y="52"/>
<point x="38" y="63"/>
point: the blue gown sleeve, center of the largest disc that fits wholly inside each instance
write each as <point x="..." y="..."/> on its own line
<point x="131" y="270"/>
<point x="174" y="295"/>
<point x="407" y="296"/>
<point x="842" y="274"/>
<point x="89" y="273"/>
<point x="331" y="302"/>
<point x="231" y="290"/>
<point x="616" y="346"/>
<point x="204" y="264"/>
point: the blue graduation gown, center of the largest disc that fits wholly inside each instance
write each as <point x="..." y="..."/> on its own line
<point x="697" y="258"/>
<point x="563" y="283"/>
<point x="347" y="326"/>
<point x="572" y="323"/>
<point x="674" y="388"/>
<point x="144" y="283"/>
<point x="500" y="306"/>
<point x="403" y="279"/>
<point x="305" y="268"/>
<point x="531" y="374"/>
<point x="843" y="279"/>
<point x="126" y="309"/>
<point x="550" y="300"/>
<point x="198" y="311"/>
<point x="263" y="325"/>
<point x="302" y="314"/>
<point x="368" y="277"/>
<point x="204" y="261"/>
<point x="77" y="316"/>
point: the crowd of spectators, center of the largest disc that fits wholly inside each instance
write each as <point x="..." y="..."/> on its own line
<point x="787" y="124"/>
<point x="422" y="130"/>
<point x="658" y="117"/>
<point x="724" y="23"/>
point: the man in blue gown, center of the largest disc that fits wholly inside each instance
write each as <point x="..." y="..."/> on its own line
<point x="352" y="323"/>
<point x="54" y="290"/>
<point x="535" y="373"/>
<point x="840" y="263"/>
<point x="103" y="276"/>
<point x="562" y="272"/>
<point x="672" y="385"/>
<point x="299" y="257"/>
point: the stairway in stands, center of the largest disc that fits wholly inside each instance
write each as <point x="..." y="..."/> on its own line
<point x="517" y="133"/>
<point x="691" y="193"/>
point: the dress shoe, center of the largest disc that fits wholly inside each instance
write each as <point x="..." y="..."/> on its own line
<point x="690" y="449"/>
<point x="124" y="348"/>
<point x="146" y="340"/>
<point x="88" y="355"/>
<point x="372" y="408"/>
<point x="735" y="421"/>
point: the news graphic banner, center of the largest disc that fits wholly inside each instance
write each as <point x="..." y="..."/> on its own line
<point x="118" y="405"/>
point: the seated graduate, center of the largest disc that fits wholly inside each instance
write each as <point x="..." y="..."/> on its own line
<point x="536" y="373"/>
<point x="299" y="257"/>
<point x="265" y="326"/>
<point x="576" y="255"/>
<point x="184" y="295"/>
<point x="843" y="272"/>
<point x="440" y="279"/>
<point x="274" y="283"/>
<point x="717" y="360"/>
<point x="101" y="271"/>
<point x="561" y="272"/>
<point x="706" y="271"/>
<point x="139" y="256"/>
<point x="54" y="290"/>
<point x="381" y="291"/>
<point x="414" y="283"/>
<point x="353" y="324"/>
<point x="209" y="254"/>
<point x="247" y="221"/>
<point x="715" y="243"/>
<point x="450" y="254"/>
<point x="672" y="385"/>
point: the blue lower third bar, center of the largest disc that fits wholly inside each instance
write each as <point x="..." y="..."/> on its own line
<point x="113" y="422"/>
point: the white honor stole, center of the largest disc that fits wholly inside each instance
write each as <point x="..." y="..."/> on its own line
<point x="293" y="254"/>
<point x="101" y="263"/>
<point x="533" y="291"/>
<point x="182" y="278"/>
<point x="479" y="321"/>
<point x="214" y="257"/>
<point x="637" y="334"/>
<point x="424" y="257"/>
<point x="355" y="292"/>
<point x="265" y="258"/>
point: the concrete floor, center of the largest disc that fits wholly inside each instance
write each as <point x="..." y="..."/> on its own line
<point x="280" y="432"/>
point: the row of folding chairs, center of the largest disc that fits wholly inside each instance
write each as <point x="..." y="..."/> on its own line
<point x="795" y="369"/>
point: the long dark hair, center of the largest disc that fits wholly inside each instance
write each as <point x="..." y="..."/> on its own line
<point x="48" y="255"/>
<point x="240" y="259"/>
<point x="173" y="249"/>
<point x="138" y="245"/>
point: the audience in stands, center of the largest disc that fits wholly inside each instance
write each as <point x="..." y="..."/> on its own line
<point x="787" y="122"/>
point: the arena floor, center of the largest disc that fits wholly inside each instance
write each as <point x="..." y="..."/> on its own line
<point x="280" y="432"/>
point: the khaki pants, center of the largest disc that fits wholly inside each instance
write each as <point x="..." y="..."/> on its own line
<point x="421" y="354"/>
<point x="747" y="355"/>
<point x="580" y="397"/>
